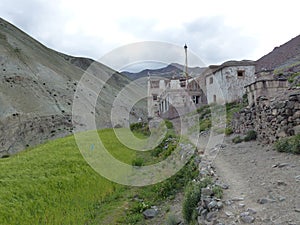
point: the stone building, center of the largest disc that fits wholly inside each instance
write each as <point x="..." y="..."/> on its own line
<point x="169" y="98"/>
<point x="225" y="83"/>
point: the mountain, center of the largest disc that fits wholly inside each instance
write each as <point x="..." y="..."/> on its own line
<point x="172" y="70"/>
<point x="37" y="90"/>
<point x="284" y="57"/>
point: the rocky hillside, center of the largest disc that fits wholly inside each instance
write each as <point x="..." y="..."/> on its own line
<point x="286" y="55"/>
<point x="37" y="87"/>
<point x="172" y="70"/>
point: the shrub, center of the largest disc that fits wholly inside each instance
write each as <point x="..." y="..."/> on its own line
<point x="169" y="124"/>
<point x="205" y="124"/>
<point x="251" y="135"/>
<point x="237" y="140"/>
<point x="228" y="131"/>
<point x="192" y="196"/>
<point x="138" y="162"/>
<point x="140" y="128"/>
<point x="291" y="145"/>
<point x="218" y="192"/>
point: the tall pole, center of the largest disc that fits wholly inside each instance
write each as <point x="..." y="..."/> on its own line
<point x="186" y="62"/>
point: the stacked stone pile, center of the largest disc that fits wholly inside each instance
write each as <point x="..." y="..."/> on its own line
<point x="271" y="118"/>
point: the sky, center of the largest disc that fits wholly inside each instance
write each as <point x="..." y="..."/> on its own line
<point x="215" y="31"/>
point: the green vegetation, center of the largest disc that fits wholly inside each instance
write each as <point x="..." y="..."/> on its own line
<point x="53" y="184"/>
<point x="237" y="140"/>
<point x="140" y="128"/>
<point x="291" y="78"/>
<point x="192" y="196"/>
<point x="290" y="144"/>
<point x="251" y="135"/>
<point x="218" y="192"/>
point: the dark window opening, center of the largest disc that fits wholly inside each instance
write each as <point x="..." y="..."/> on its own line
<point x="215" y="98"/>
<point x="240" y="73"/>
<point x="154" y="97"/>
<point x="211" y="80"/>
<point x="196" y="99"/>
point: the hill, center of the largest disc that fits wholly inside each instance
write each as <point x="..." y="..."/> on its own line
<point x="172" y="70"/>
<point x="37" y="87"/>
<point x="286" y="55"/>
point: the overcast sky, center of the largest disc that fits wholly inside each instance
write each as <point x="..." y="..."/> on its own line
<point x="216" y="31"/>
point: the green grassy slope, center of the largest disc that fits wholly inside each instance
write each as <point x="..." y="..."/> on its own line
<point x="52" y="184"/>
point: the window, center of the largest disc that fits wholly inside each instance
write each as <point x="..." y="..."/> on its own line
<point x="211" y="80"/>
<point x="195" y="99"/>
<point x="215" y="98"/>
<point x="154" y="96"/>
<point x="154" y="84"/>
<point x="241" y="73"/>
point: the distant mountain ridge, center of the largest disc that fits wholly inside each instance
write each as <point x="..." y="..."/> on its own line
<point x="171" y="70"/>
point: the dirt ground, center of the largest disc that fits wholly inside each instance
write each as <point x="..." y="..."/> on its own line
<point x="261" y="181"/>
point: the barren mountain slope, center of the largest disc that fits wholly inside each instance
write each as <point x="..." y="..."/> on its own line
<point x="37" y="87"/>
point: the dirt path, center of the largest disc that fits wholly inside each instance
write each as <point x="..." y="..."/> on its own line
<point x="257" y="173"/>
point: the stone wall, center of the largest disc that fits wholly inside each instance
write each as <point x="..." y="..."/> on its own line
<point x="271" y="118"/>
<point x="268" y="88"/>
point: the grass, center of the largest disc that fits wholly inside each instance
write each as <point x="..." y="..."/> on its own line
<point x="53" y="184"/>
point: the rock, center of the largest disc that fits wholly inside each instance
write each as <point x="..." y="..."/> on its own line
<point x="206" y="192"/>
<point x="212" y="204"/>
<point x="150" y="213"/>
<point x="297" y="210"/>
<point x="237" y="199"/>
<point x="297" y="178"/>
<point x="251" y="211"/>
<point x="281" y="198"/>
<point x="211" y="216"/>
<point x="229" y="214"/>
<point x="221" y="185"/>
<point x="281" y="165"/>
<point x="262" y="201"/>
<point x="219" y="205"/>
<point x="246" y="218"/>
<point x="279" y="182"/>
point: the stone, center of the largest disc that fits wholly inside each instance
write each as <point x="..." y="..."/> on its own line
<point x="247" y="219"/>
<point x="206" y="192"/>
<point x="219" y="205"/>
<point x="150" y="213"/>
<point x="229" y="214"/>
<point x="211" y="216"/>
<point x="251" y="211"/>
<point x="222" y="185"/>
<point x="212" y="204"/>
<point x="281" y="198"/>
<point x="262" y="201"/>
<point x="237" y="199"/>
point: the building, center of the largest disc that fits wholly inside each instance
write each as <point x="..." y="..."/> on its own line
<point x="225" y="83"/>
<point x="169" y="98"/>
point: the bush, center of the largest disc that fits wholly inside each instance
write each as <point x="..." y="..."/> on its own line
<point x="169" y="124"/>
<point x="140" y="128"/>
<point x="192" y="196"/>
<point x="291" y="145"/>
<point x="228" y="131"/>
<point x="251" y="135"/>
<point x="237" y="140"/>
<point x="138" y="162"/>
<point x="218" y="192"/>
<point x="205" y="124"/>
